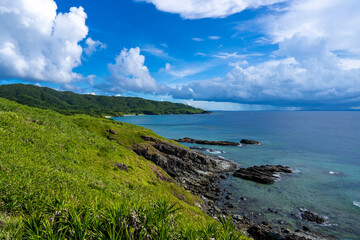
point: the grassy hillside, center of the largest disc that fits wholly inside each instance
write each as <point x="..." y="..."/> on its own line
<point x="70" y="103"/>
<point x="58" y="180"/>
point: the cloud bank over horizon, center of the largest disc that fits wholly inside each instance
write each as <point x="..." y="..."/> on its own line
<point x="314" y="66"/>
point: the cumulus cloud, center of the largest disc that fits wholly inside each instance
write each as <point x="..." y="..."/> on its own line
<point x="39" y="44"/>
<point x="93" y="46"/>
<point x="338" y="21"/>
<point x="130" y="74"/>
<point x="195" y="9"/>
<point x="307" y="74"/>
<point x="317" y="64"/>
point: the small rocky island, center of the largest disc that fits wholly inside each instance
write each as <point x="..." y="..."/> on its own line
<point x="219" y="143"/>
<point x="265" y="174"/>
<point x="206" y="142"/>
<point x="251" y="142"/>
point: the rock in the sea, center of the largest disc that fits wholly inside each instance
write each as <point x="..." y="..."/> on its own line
<point x="253" y="142"/>
<point x="265" y="174"/>
<point x="206" y="142"/>
<point x="312" y="217"/>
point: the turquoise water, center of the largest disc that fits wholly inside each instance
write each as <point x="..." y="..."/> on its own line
<point x="314" y="143"/>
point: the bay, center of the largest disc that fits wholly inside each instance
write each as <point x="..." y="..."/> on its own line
<point x="323" y="147"/>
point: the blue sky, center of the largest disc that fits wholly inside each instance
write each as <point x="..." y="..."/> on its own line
<point x="215" y="54"/>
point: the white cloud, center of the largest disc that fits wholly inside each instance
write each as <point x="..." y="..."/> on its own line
<point x="37" y="44"/>
<point x="214" y="37"/>
<point x="338" y="21"/>
<point x="349" y="64"/>
<point x="158" y="52"/>
<point x="195" y="9"/>
<point x="317" y="63"/>
<point x="306" y="73"/>
<point x="93" y="46"/>
<point x="224" y="55"/>
<point x="197" y="39"/>
<point x="183" y="72"/>
<point x="130" y="74"/>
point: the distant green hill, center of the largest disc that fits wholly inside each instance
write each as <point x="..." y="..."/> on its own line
<point x="70" y="103"/>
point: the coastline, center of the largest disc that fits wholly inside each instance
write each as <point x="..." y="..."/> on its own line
<point x="201" y="174"/>
<point x="143" y="114"/>
<point x="289" y="140"/>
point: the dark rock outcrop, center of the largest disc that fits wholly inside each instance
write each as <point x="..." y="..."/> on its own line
<point x="311" y="217"/>
<point x="253" y="142"/>
<point x="265" y="174"/>
<point x="193" y="170"/>
<point x="206" y="142"/>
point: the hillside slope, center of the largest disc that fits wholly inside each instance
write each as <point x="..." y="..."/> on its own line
<point x="70" y="103"/>
<point x="62" y="177"/>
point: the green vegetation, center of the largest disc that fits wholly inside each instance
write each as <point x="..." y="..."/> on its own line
<point x="58" y="180"/>
<point x="70" y="103"/>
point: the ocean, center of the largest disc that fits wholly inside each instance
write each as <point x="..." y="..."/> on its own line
<point x="323" y="148"/>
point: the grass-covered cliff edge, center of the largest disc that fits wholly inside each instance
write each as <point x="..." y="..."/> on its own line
<point x="70" y="103"/>
<point x="59" y="180"/>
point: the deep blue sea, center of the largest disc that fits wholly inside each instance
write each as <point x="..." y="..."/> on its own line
<point x="324" y="147"/>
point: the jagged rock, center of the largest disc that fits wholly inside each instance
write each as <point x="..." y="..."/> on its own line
<point x="206" y="142"/>
<point x="272" y="210"/>
<point x="121" y="166"/>
<point x="193" y="170"/>
<point x="265" y="174"/>
<point x="253" y="142"/>
<point x="305" y="228"/>
<point x="312" y="217"/>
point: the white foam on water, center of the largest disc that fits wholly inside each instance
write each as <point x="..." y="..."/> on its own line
<point x="214" y="151"/>
<point x="334" y="173"/>
<point x="356" y="203"/>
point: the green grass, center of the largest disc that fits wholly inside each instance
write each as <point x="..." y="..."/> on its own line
<point x="58" y="181"/>
<point x="70" y="103"/>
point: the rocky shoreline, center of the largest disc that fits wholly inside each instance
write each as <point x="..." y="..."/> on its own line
<point x="200" y="174"/>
